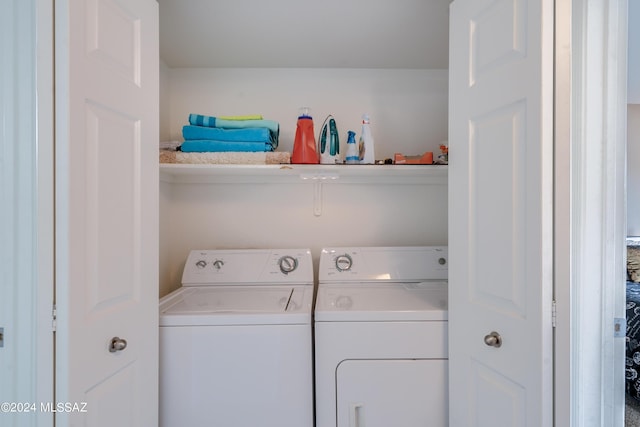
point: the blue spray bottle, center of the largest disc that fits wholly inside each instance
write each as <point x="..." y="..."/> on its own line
<point x="352" y="157"/>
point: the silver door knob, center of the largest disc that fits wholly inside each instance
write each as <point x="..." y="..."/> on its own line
<point x="117" y="344"/>
<point x="493" y="339"/>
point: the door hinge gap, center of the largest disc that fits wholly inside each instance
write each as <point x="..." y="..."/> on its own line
<point x="554" y="314"/>
<point x="54" y="318"/>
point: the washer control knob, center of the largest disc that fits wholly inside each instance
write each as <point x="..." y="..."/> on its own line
<point x="201" y="264"/>
<point x="344" y="262"/>
<point x="217" y="264"/>
<point x="287" y="264"/>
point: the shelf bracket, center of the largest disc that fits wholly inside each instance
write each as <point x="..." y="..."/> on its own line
<point x="317" y="198"/>
<point x="318" y="179"/>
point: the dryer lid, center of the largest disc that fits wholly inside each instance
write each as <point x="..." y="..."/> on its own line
<point x="422" y="301"/>
<point x="237" y="305"/>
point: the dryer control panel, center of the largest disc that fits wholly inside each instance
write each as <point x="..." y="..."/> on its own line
<point x="248" y="266"/>
<point x="406" y="263"/>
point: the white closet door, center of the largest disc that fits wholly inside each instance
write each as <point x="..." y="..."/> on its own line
<point x="500" y="213"/>
<point x="107" y="211"/>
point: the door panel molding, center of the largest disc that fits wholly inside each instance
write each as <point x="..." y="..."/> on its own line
<point x="497" y="37"/>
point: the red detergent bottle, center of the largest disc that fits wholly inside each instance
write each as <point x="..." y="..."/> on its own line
<point x="304" y="145"/>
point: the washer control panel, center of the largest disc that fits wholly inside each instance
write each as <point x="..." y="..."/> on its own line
<point x="406" y="263"/>
<point x="248" y="266"/>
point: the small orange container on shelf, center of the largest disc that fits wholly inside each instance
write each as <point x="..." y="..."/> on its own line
<point x="424" y="159"/>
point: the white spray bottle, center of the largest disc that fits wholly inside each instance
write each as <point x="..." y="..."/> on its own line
<point x="365" y="144"/>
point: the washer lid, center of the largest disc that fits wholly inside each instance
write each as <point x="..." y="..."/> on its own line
<point x="382" y="302"/>
<point x="237" y="305"/>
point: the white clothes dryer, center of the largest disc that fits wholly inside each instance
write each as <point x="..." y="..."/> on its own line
<point x="236" y="341"/>
<point x="381" y="337"/>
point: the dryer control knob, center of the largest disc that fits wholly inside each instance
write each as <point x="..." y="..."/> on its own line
<point x="287" y="264"/>
<point x="201" y="264"/>
<point x="344" y="262"/>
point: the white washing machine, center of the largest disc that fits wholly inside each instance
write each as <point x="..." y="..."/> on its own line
<point x="381" y="337"/>
<point x="236" y="341"/>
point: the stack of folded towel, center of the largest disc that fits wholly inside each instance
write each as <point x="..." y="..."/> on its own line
<point x="206" y="134"/>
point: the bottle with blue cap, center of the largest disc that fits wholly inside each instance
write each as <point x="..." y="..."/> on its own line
<point x="304" y="144"/>
<point x="352" y="157"/>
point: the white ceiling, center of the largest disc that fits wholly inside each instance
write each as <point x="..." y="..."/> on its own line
<point x="305" y="33"/>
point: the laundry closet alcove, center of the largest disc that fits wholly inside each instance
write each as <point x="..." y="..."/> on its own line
<point x="221" y="58"/>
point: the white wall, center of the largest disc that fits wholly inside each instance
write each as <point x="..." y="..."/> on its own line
<point x="633" y="170"/>
<point x="209" y="216"/>
<point x="408" y="108"/>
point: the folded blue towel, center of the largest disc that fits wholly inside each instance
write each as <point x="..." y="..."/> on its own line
<point x="209" y="146"/>
<point x="216" y="122"/>
<point x="233" y="135"/>
<point x="272" y="125"/>
<point x="200" y="120"/>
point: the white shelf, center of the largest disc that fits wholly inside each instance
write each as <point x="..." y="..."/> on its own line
<point x="326" y="174"/>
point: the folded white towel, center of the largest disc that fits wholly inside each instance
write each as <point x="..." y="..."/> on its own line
<point x="226" y="158"/>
